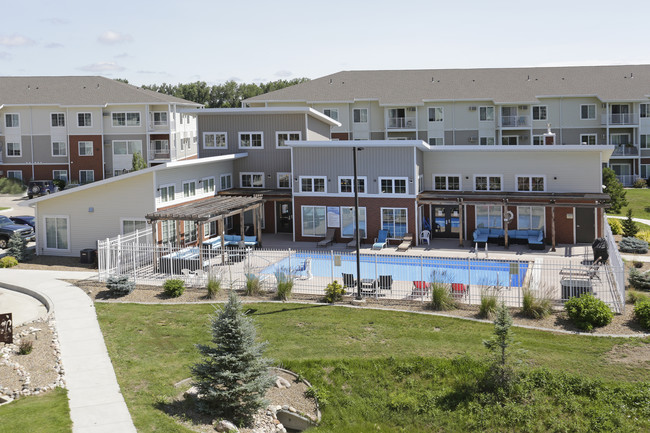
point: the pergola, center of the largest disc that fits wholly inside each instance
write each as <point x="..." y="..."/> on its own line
<point x="206" y="211"/>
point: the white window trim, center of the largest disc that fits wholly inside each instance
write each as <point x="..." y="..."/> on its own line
<point x="261" y="133"/>
<point x="205" y="181"/>
<point x="277" y="138"/>
<point x="500" y="176"/>
<point x="532" y="113"/>
<point x="92" y="171"/>
<point x="122" y="219"/>
<point x="57" y="113"/>
<point x="442" y="110"/>
<point x="44" y="237"/>
<point x="15" y="177"/>
<point x="360" y="110"/>
<point x="489" y="214"/>
<point x="127" y="147"/>
<point x="225" y="137"/>
<point x="220" y="181"/>
<point x="126" y="119"/>
<point x="252" y="173"/>
<point x="324" y="178"/>
<point x="538" y="137"/>
<point x="530" y="180"/>
<point x="12" y="114"/>
<point x="381" y="218"/>
<point x="336" y="110"/>
<point x="365" y="231"/>
<point x="165" y="186"/>
<point x="478" y="113"/>
<point x="351" y="178"/>
<point x="20" y="148"/>
<point x="529" y="208"/>
<point x="447" y="176"/>
<point x="92" y="150"/>
<point x="302" y="221"/>
<point x="486" y="138"/>
<point x="91" y="119"/>
<point x="587" y="118"/>
<point x="188" y="182"/>
<point x="153" y="120"/>
<point x="280" y="174"/>
<point x="65" y="148"/>
<point x="442" y="141"/>
<point x="67" y="176"/>
<point x="393" y="179"/>
<point x="647" y="110"/>
<point x="589" y="135"/>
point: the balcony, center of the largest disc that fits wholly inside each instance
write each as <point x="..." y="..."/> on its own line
<point x="620" y="119"/>
<point x="627" y="179"/>
<point x="159" y="153"/>
<point x="514" y="121"/>
<point x="626" y="150"/>
<point x="401" y="123"/>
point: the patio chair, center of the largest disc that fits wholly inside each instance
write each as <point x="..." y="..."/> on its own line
<point x="353" y="242"/>
<point x="385" y="282"/>
<point x="381" y="240"/>
<point x="407" y="240"/>
<point x="349" y="281"/>
<point x="459" y="290"/>
<point x="420" y="288"/>
<point x="425" y="236"/>
<point x="329" y="238"/>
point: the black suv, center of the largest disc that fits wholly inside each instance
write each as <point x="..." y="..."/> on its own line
<point x="40" y="187"/>
<point x="8" y="228"/>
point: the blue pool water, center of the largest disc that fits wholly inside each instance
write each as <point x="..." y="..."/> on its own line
<point x="411" y="268"/>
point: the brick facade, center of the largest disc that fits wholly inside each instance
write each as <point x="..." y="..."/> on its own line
<point x="92" y="162"/>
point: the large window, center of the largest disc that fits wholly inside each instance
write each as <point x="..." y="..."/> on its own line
<point x="282" y="136"/>
<point x="15" y="174"/>
<point x="530" y="183"/>
<point x="215" y="140"/>
<point x="284" y="180"/>
<point x="56" y="232"/>
<point x="12" y="120"/>
<point x="167" y="193"/>
<point x="487" y="183"/>
<point x="86" y="176"/>
<point x="538" y="140"/>
<point x="488" y="216"/>
<point x="645" y="171"/>
<point x="314" y="221"/>
<point x="208" y="185"/>
<point x="435" y="114"/>
<point x="160" y="118"/>
<point x="446" y="183"/>
<point x="127" y="147"/>
<point x="190" y="231"/>
<point x="347" y="222"/>
<point x="168" y="230"/>
<point x="189" y="189"/>
<point x="619" y="139"/>
<point x="644" y="141"/>
<point x="58" y="120"/>
<point x="588" y="111"/>
<point x="392" y="185"/>
<point x="539" y="112"/>
<point x="249" y="140"/>
<point x="436" y="141"/>
<point x="84" y="120"/>
<point x="395" y="221"/>
<point x="130" y="226"/>
<point x="313" y="184"/>
<point x="225" y="181"/>
<point x="588" y="138"/>
<point x="14" y="149"/>
<point x="332" y="112"/>
<point x="360" y="115"/>
<point x="60" y="174"/>
<point x="486" y="114"/>
<point x="85" y="148"/>
<point x="530" y="217"/>
<point x="252" y="180"/>
<point x="345" y="184"/>
<point x="509" y="140"/>
<point x="486" y="141"/>
<point x="126" y="119"/>
<point x="59" y="148"/>
<point x="644" y="111"/>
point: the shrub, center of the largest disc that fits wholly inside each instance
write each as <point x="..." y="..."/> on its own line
<point x="8" y="262"/>
<point x="284" y="286"/>
<point x="59" y="183"/>
<point x="616" y="226"/>
<point x="25" y="347"/>
<point x="642" y="313"/>
<point x="213" y="287"/>
<point x="11" y="186"/>
<point x="639" y="280"/>
<point x="535" y="307"/>
<point x="588" y="312"/>
<point x="633" y="297"/>
<point x="253" y="285"/>
<point x="334" y="292"/>
<point x="488" y="306"/>
<point x="501" y="373"/>
<point x="17" y="247"/>
<point x="630" y="229"/>
<point x="638" y="265"/>
<point x="120" y="285"/>
<point x="644" y="235"/>
<point x="441" y="298"/>
<point x="633" y="245"/>
<point x="174" y="287"/>
<point x="640" y="183"/>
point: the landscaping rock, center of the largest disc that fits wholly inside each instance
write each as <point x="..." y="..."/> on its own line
<point x="294" y="421"/>
<point x="281" y="383"/>
<point x="226" y="426"/>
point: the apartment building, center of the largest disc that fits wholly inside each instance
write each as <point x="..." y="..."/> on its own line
<point x="586" y="105"/>
<point x="84" y="129"/>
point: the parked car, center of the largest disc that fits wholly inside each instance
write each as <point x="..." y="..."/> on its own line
<point x="26" y="220"/>
<point x="8" y="228"/>
<point x="41" y="187"/>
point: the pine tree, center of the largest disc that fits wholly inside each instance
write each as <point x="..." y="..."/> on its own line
<point x="17" y="247"/>
<point x="234" y="377"/>
<point x="501" y="372"/>
<point x="615" y="190"/>
<point x="630" y="229"/>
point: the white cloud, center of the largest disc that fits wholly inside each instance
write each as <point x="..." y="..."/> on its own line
<point x="102" y="67"/>
<point x="15" y="41"/>
<point x="283" y="73"/>
<point x="109" y="37"/>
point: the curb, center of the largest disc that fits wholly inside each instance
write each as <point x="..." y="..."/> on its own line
<point x="44" y="299"/>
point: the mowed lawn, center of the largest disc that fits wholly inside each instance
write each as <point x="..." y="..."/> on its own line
<point x="639" y="201"/>
<point x="374" y="370"/>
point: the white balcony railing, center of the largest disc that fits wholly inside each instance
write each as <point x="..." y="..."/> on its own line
<point x="159" y="152"/>
<point x="620" y="119"/>
<point x="401" y="123"/>
<point x="514" y="121"/>
<point x="625" y="150"/>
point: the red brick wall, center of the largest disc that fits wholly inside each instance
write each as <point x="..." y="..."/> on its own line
<point x="563" y="225"/>
<point x="26" y="169"/>
<point x="269" y="217"/>
<point x="340" y="135"/>
<point x="44" y="172"/>
<point x="78" y="162"/>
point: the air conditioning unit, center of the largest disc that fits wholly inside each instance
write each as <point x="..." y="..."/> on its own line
<point x="472" y="108"/>
<point x="523" y="107"/>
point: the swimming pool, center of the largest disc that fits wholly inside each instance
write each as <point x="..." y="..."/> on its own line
<point x="410" y="268"/>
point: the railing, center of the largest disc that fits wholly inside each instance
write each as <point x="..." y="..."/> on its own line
<point x="620" y="119"/>
<point x="157" y="152"/>
<point x="401" y="123"/>
<point x="616" y="266"/>
<point x="514" y="121"/>
<point x="625" y="150"/>
<point x="627" y="179"/>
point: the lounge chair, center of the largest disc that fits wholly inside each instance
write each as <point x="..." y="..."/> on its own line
<point x="329" y="238"/>
<point x="420" y="288"/>
<point x="407" y="240"/>
<point x="348" y="281"/>
<point x="459" y="290"/>
<point x="385" y="282"/>
<point x="381" y="240"/>
<point x="353" y="242"/>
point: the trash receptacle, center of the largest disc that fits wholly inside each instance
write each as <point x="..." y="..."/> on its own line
<point x="87" y="256"/>
<point x="599" y="247"/>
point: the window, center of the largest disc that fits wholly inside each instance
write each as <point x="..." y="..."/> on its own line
<point x="588" y="138"/>
<point x="284" y="180"/>
<point x="252" y="180"/>
<point x="208" y="185"/>
<point x="395" y="221"/>
<point x="538" y="140"/>
<point x="360" y="115"/>
<point x="644" y="142"/>
<point x="130" y="226"/>
<point x="487" y="183"/>
<point x="421" y="183"/>
<point x="437" y="141"/>
<point x="159" y="118"/>
<point x="313" y="221"/>
<point x="588" y="111"/>
<point x="84" y="120"/>
<point x="488" y="216"/>
<point x="58" y="120"/>
<point x="249" y="140"/>
<point x="160" y="147"/>
<point x="486" y="141"/>
<point x="185" y="143"/>
<point x="435" y="114"/>
<point x="60" y="174"/>
<point x="345" y="184"/>
<point x="619" y="139"/>
<point x="645" y="171"/>
<point x="486" y="114"/>
<point x="347" y="222"/>
<point x="530" y="183"/>
<point x="15" y="174"/>
<point x="214" y="140"/>
<point x="446" y="183"/>
<point x="86" y="176"/>
<point x="539" y="112"/>
<point x="190" y="231"/>
<point x="644" y="111"/>
<point x="392" y="185"/>
<point x="56" y="233"/>
<point x="14" y="149"/>
<point x="312" y="184"/>
<point x="281" y="137"/>
<point x="225" y="181"/>
<point x="126" y="119"/>
<point x="168" y="230"/>
<point x="509" y="140"/>
<point x="127" y="147"/>
<point x="530" y="217"/>
<point x="59" y="148"/>
<point x="189" y="189"/>
<point x="85" y="148"/>
<point x="332" y="112"/>
<point x="12" y="120"/>
<point x="167" y="193"/>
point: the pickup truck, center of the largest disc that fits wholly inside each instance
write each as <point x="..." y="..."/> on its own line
<point x="8" y="228"/>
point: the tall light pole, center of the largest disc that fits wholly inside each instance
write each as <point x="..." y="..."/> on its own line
<point x="356" y="219"/>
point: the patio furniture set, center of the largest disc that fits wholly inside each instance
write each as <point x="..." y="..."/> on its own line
<point x="534" y="238"/>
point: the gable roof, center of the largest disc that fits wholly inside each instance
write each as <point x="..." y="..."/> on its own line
<point x="500" y="85"/>
<point x="78" y="91"/>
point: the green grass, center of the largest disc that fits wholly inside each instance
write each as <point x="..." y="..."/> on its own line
<point x="47" y="413"/>
<point x="639" y="201"/>
<point x="363" y="362"/>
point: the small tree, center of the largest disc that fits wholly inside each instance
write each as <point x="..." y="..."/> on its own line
<point x="17" y="248"/>
<point x="138" y="162"/>
<point x="234" y="377"/>
<point x="630" y="229"/>
<point x="615" y="190"/>
<point x="501" y="372"/>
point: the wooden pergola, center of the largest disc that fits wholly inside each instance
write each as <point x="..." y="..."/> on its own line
<point x="207" y="211"/>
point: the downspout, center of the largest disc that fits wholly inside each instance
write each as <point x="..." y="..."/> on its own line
<point x="101" y="134"/>
<point x="31" y="138"/>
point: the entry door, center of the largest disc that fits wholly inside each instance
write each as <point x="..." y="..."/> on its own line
<point x="585" y="225"/>
<point x="284" y="217"/>
<point x="446" y="221"/>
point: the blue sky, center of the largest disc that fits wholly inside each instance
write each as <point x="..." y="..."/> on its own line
<point x="160" y="41"/>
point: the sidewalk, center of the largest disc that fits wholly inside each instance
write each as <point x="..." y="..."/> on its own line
<point x="96" y="403"/>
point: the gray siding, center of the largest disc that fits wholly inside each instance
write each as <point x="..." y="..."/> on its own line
<point x="377" y="135"/>
<point x="43" y="150"/>
<point x="317" y="130"/>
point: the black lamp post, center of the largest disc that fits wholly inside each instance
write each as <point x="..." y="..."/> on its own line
<point x="356" y="219"/>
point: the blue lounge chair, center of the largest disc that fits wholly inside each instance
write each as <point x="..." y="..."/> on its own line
<point x="380" y="240"/>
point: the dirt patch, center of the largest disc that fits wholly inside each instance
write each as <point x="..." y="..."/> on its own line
<point x="636" y="355"/>
<point x="56" y="263"/>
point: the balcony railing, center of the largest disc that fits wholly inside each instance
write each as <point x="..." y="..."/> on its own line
<point x="625" y="150"/>
<point x="620" y="119"/>
<point x="159" y="153"/>
<point x="401" y="123"/>
<point x="514" y="121"/>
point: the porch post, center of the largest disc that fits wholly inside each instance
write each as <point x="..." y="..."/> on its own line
<point x="504" y="209"/>
<point x="553" y="225"/>
<point x="460" y="222"/>
<point x="223" y="242"/>
<point x="200" y="242"/>
<point x="260" y="209"/>
<point x="241" y="224"/>
<point x="178" y="233"/>
<point x="154" y="225"/>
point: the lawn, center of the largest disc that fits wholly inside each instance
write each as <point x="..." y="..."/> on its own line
<point x="639" y="201"/>
<point x="47" y="413"/>
<point x="383" y="370"/>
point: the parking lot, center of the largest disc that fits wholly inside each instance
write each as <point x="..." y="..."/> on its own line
<point x="12" y="202"/>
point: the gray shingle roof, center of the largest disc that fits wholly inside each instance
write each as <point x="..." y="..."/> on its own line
<point x="86" y="90"/>
<point x="504" y="85"/>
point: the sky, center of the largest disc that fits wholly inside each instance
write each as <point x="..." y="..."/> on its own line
<point x="162" y="41"/>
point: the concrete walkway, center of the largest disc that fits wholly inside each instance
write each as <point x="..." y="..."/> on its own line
<point x="96" y="403"/>
<point x="636" y="220"/>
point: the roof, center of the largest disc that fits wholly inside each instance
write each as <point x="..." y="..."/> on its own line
<point x="364" y="143"/>
<point x="499" y="85"/>
<point x="265" y="110"/>
<point x="207" y="210"/>
<point x="78" y="91"/>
